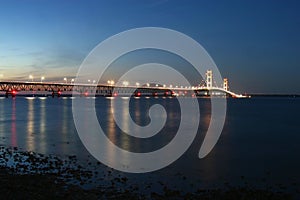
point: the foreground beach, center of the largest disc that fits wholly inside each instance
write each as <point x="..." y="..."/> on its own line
<point x="46" y="187"/>
<point x="28" y="175"/>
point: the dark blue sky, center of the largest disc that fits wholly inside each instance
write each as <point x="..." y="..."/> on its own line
<point x="255" y="44"/>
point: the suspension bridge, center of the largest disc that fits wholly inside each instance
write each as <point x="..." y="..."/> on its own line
<point x="29" y="88"/>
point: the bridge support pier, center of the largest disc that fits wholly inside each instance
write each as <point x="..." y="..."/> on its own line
<point x="209" y="78"/>
<point x="225" y="84"/>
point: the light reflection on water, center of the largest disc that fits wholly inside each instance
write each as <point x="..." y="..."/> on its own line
<point x="2" y="118"/>
<point x="30" y="127"/>
<point x="125" y="143"/>
<point x="256" y="139"/>
<point x="14" y="141"/>
<point x="43" y="119"/>
<point x="111" y="131"/>
<point x="41" y="125"/>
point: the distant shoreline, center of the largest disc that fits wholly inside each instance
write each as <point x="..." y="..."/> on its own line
<point x="275" y="95"/>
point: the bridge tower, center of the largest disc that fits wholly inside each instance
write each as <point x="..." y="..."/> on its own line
<point x="225" y="84"/>
<point x="209" y="78"/>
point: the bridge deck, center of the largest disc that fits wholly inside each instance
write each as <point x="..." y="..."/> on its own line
<point x="14" y="87"/>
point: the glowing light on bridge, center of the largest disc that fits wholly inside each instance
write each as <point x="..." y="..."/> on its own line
<point x="110" y="82"/>
<point x="125" y="83"/>
<point x="31" y="77"/>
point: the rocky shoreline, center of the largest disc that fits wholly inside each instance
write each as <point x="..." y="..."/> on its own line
<point x="29" y="175"/>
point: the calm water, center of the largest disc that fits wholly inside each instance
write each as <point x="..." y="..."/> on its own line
<point x="259" y="145"/>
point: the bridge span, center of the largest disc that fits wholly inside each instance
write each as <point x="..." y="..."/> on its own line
<point x="14" y="88"/>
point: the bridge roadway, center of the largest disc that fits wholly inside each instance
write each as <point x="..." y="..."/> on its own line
<point x="15" y="88"/>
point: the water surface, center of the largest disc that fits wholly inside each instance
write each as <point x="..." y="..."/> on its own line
<point x="259" y="145"/>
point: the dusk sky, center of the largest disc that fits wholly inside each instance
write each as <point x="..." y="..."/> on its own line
<point x="256" y="44"/>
